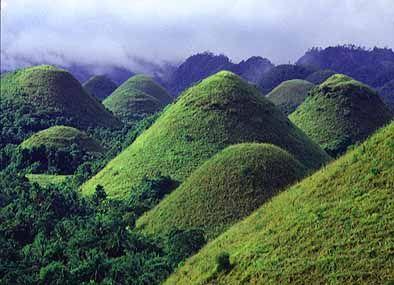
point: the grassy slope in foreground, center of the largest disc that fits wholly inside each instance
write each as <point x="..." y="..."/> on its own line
<point x="48" y="93"/>
<point x="138" y="97"/>
<point x="100" y="86"/>
<point x="225" y="189"/>
<point x="340" y="112"/>
<point x="290" y="94"/>
<point x="222" y="110"/>
<point x="59" y="137"/>
<point x="336" y="227"/>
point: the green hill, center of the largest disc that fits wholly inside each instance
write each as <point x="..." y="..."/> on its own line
<point x="136" y="98"/>
<point x="100" y="86"/>
<point x="335" y="227"/>
<point x="386" y="93"/>
<point x="61" y="137"/>
<point x="340" y="112"/>
<point x="220" y="111"/>
<point x="288" y="95"/>
<point x="39" y="97"/>
<point x="318" y="77"/>
<point x="225" y="189"/>
<point x="47" y="179"/>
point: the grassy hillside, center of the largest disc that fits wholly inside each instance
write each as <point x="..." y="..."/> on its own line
<point x="226" y="188"/>
<point x="335" y="227"/>
<point x="340" y="112"/>
<point x="100" y="86"/>
<point x="290" y="94"/>
<point x="220" y="111"/>
<point x="47" y="179"/>
<point x="60" y="137"/>
<point x="39" y="97"/>
<point x="138" y="97"/>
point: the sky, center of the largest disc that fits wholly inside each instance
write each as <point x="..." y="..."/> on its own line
<point x="125" y="32"/>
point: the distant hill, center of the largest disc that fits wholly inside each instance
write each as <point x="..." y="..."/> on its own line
<point x="225" y="189"/>
<point x="340" y="112"/>
<point x="290" y="94"/>
<point x="100" y="86"/>
<point x="137" y="98"/>
<point x="320" y="76"/>
<point x="334" y="227"/>
<point x="281" y="73"/>
<point x="374" y="67"/>
<point x="220" y="111"/>
<point x="201" y="65"/>
<point x="386" y="93"/>
<point x="62" y="137"/>
<point x="39" y="97"/>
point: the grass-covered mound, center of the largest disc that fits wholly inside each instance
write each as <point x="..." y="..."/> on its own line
<point x="138" y="97"/>
<point x="335" y="227"/>
<point x="225" y="189"/>
<point x="220" y="111"/>
<point x="318" y="77"/>
<point x="290" y="94"/>
<point x="386" y="93"/>
<point x="39" y="97"/>
<point x="62" y="137"/>
<point x="100" y="86"/>
<point x="340" y="112"/>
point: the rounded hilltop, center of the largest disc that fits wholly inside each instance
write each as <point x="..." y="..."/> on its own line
<point x="225" y="189"/>
<point x="340" y="112"/>
<point x="220" y="111"/>
<point x="99" y="86"/>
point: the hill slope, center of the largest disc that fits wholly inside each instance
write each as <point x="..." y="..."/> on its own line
<point x="339" y="113"/>
<point x="318" y="77"/>
<point x="100" y="86"/>
<point x="38" y="97"/>
<point x="138" y="97"/>
<point x="386" y="93"/>
<point x="290" y="94"/>
<point x="61" y="137"/>
<point x="226" y="188"/>
<point x="220" y="111"/>
<point x="335" y="227"/>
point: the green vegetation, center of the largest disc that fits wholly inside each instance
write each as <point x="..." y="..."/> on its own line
<point x="47" y="179"/>
<point x="335" y="227"/>
<point x="225" y="189"/>
<point x="39" y="97"/>
<point x="340" y="112"/>
<point x="61" y="137"/>
<point x="100" y="86"/>
<point x="220" y="111"/>
<point x="318" y="77"/>
<point x="136" y="98"/>
<point x="50" y="235"/>
<point x="386" y="93"/>
<point x="288" y="95"/>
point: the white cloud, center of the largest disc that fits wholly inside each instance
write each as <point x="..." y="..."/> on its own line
<point x="114" y="30"/>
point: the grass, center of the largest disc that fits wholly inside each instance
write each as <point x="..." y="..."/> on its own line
<point x="339" y="113"/>
<point x="47" y="179"/>
<point x="138" y="97"/>
<point x="290" y="94"/>
<point x="220" y="111"/>
<point x="38" y="97"/>
<point x="100" y="86"/>
<point x="61" y="137"/>
<point x="225" y="189"/>
<point x="334" y="227"/>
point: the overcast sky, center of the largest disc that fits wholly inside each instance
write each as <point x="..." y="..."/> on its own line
<point x="113" y="31"/>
